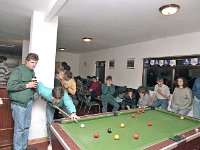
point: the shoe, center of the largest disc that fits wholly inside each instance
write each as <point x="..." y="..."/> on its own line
<point x="31" y="148"/>
<point x="49" y="147"/>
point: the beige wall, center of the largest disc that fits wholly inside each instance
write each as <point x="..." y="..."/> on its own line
<point x="187" y="44"/>
<point x="71" y="59"/>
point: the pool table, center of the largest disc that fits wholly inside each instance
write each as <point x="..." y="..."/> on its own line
<point x="167" y="131"/>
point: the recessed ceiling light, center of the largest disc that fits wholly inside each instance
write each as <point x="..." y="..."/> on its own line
<point x="169" y="10"/>
<point x="61" y="49"/>
<point x="87" y="39"/>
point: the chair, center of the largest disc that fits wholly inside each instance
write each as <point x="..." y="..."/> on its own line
<point x="90" y="104"/>
<point x="82" y="99"/>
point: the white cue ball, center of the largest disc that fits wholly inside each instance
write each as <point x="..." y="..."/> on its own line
<point x="197" y="130"/>
<point x="82" y="125"/>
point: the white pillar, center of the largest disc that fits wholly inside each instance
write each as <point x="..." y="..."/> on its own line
<point x="43" y="40"/>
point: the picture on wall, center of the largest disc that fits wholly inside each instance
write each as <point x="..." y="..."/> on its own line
<point x="111" y="63"/>
<point x="130" y="63"/>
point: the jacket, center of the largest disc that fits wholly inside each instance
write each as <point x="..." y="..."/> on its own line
<point x="196" y="88"/>
<point x="107" y="91"/>
<point x="47" y="94"/>
<point x="16" y="85"/>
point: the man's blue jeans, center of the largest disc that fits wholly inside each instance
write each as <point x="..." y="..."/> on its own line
<point x="196" y="108"/>
<point x="22" y="121"/>
<point x="50" y="110"/>
<point x="162" y="103"/>
<point x="181" y="111"/>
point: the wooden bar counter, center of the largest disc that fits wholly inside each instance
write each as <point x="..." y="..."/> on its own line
<point x="6" y="121"/>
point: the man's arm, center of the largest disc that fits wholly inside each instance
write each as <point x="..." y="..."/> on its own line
<point x="44" y="91"/>
<point x="15" y="82"/>
<point x="112" y="89"/>
<point x="104" y="89"/>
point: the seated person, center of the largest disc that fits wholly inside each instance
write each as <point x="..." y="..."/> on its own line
<point x="145" y="98"/>
<point x="95" y="88"/>
<point x="79" y="84"/>
<point x="108" y="89"/>
<point x="161" y="95"/>
<point x="129" y="100"/>
<point x="56" y="96"/>
<point x="59" y="74"/>
<point x="182" y="98"/>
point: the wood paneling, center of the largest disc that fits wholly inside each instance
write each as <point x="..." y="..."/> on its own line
<point x="6" y="121"/>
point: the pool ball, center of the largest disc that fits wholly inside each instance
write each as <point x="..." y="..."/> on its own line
<point x="109" y="130"/>
<point x="143" y="110"/>
<point x="82" y="125"/>
<point x="133" y="115"/>
<point x="116" y="114"/>
<point x="96" y="134"/>
<point x="182" y="117"/>
<point x="136" y="136"/>
<point x="116" y="137"/>
<point x="122" y="125"/>
<point x="149" y="123"/>
<point x="138" y="112"/>
<point x="197" y="129"/>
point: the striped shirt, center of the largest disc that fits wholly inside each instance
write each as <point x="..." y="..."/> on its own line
<point x="3" y="72"/>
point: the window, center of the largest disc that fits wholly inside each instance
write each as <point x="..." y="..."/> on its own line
<point x="170" y="68"/>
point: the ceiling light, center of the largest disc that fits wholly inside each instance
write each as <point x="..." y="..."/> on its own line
<point x="169" y="10"/>
<point x="86" y="39"/>
<point x="61" y="49"/>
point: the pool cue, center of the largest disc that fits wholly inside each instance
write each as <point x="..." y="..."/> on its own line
<point x="62" y="111"/>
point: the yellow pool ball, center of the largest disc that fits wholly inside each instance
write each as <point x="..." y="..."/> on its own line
<point x="122" y="125"/>
<point x="182" y="117"/>
<point x="116" y="137"/>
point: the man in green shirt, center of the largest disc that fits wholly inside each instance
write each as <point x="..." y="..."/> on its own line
<point x="108" y="89"/>
<point x="21" y="93"/>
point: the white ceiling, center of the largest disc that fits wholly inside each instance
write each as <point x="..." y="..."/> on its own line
<point x="110" y="23"/>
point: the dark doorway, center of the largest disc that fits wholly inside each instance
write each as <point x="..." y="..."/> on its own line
<point x="100" y="70"/>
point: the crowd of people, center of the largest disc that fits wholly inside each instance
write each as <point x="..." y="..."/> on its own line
<point x="67" y="90"/>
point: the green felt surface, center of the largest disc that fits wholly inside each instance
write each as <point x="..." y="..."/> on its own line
<point x="165" y="125"/>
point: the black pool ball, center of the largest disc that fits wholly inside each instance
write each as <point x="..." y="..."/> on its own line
<point x="115" y="113"/>
<point x="109" y="130"/>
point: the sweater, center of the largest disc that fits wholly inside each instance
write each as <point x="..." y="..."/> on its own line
<point x="182" y="98"/>
<point x="107" y="91"/>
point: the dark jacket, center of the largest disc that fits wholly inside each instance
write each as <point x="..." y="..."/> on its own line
<point x="16" y="86"/>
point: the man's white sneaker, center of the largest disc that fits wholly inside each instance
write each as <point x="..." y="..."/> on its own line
<point x="49" y="147"/>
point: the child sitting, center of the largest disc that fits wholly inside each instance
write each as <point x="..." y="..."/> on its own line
<point x="129" y="100"/>
<point x="145" y="98"/>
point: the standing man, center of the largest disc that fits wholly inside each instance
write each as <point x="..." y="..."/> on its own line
<point x="196" y="101"/>
<point x="161" y="95"/>
<point x="21" y="93"/>
<point x="108" y="89"/>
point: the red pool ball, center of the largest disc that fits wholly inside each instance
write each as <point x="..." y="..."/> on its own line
<point x="149" y="123"/>
<point x="133" y="115"/>
<point x="96" y="135"/>
<point x="138" y="112"/>
<point x="136" y="136"/>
